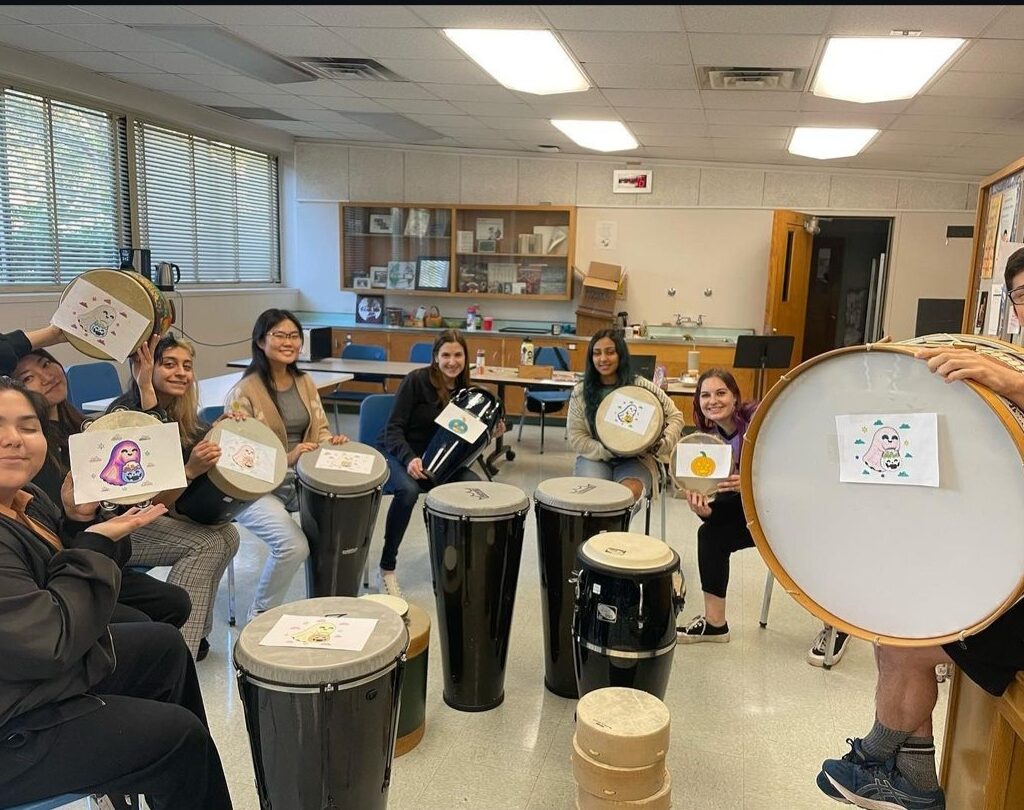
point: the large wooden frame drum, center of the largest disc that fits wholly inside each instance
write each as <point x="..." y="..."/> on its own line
<point x="901" y="565"/>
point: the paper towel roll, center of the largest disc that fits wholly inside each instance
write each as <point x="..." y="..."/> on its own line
<point x="692" y="362"/>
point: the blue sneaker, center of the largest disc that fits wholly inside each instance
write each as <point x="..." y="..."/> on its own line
<point x="856" y="756"/>
<point x="874" y="786"/>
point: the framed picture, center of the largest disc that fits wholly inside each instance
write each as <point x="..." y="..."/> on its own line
<point x="370" y="309"/>
<point x="417" y="221"/>
<point x="380" y="223"/>
<point x="361" y="282"/>
<point x="490" y="228"/>
<point x="432" y="273"/>
<point x="379" y="277"/>
<point x="486" y="246"/>
<point x="632" y="181"/>
<point x="401" y="275"/>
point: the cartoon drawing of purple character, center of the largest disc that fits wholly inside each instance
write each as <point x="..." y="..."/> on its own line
<point x="124" y="466"/>
<point x="884" y="453"/>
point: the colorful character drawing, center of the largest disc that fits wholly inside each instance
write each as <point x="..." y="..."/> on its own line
<point x="884" y="453"/>
<point x="458" y="425"/>
<point x="628" y="415"/>
<point x="124" y="465"/>
<point x="316" y="633"/>
<point x="245" y="456"/>
<point x="98" y="321"/>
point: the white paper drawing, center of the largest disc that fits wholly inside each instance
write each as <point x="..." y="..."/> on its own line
<point x="100" y="319"/>
<point x="359" y="463"/>
<point x="460" y="422"/>
<point x="703" y="460"/>
<point x="490" y="228"/>
<point x="323" y="632"/>
<point x="127" y="462"/>
<point x="889" y="448"/>
<point x="247" y="456"/>
<point x="629" y="414"/>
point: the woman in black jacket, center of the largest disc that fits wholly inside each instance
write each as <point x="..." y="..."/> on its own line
<point x="70" y="721"/>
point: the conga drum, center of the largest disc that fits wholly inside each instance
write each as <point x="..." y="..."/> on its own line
<point x="881" y="559"/>
<point x="449" y="449"/>
<point x="340" y="490"/>
<point x="322" y="722"/>
<point x="412" y="718"/>
<point x="629" y="421"/>
<point x="569" y="512"/>
<point x="628" y="593"/>
<point x="475" y="533"/>
<point x="220" y="494"/>
<point x="136" y="292"/>
<point x="117" y="420"/>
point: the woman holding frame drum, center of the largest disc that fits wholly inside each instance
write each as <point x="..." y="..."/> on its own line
<point x="608" y="368"/>
<point x="285" y="399"/>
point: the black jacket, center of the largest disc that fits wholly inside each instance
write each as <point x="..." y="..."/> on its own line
<point x="411" y="426"/>
<point x="13" y="346"/>
<point x="54" y="642"/>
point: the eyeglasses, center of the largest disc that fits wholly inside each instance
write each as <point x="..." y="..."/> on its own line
<point x="1016" y="295"/>
<point x="281" y="337"/>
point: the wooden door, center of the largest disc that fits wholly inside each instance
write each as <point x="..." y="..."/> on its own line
<point x="789" y="270"/>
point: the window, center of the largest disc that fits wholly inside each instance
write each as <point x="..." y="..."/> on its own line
<point x="209" y="207"/>
<point x="63" y="189"/>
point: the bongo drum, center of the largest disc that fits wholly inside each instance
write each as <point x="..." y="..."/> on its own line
<point x="322" y="722"/>
<point x="221" y="493"/>
<point x="662" y="800"/>
<point x="475" y="532"/>
<point x="624" y="624"/>
<point x="695" y="483"/>
<point x="883" y="561"/>
<point x="340" y="490"/>
<point x="412" y="716"/>
<point x="629" y="421"/>
<point x="569" y="512"/>
<point x="117" y="420"/>
<point x="133" y="290"/>
<point x="624" y="728"/>
<point x="448" y="451"/>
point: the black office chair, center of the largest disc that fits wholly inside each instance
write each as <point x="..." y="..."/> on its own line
<point x="543" y="400"/>
<point x="643" y="365"/>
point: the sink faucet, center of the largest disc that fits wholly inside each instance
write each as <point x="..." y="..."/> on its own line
<point x="686" y="320"/>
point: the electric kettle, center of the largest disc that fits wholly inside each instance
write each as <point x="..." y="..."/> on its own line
<point x="166" y="276"/>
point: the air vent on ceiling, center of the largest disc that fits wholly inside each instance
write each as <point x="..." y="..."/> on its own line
<point x="751" y="78"/>
<point x="254" y="113"/>
<point x="338" y="67"/>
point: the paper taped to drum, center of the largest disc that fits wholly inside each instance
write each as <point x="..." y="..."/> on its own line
<point x="359" y="463"/>
<point x="101" y="320"/>
<point x="629" y="414"/>
<point x="901" y="449"/>
<point x="247" y="456"/>
<point x="460" y="422"/>
<point x="704" y="460"/>
<point x="320" y="632"/>
<point x="109" y="464"/>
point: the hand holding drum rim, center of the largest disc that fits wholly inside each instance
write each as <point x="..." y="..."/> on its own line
<point x="730" y="484"/>
<point x="202" y="459"/>
<point x="341" y="438"/>
<point x="698" y="503"/>
<point x="299" y="449"/>
<point x="415" y="469"/>
<point x="967" y="364"/>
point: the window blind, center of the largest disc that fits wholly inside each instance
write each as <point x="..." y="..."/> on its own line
<point x="63" y="196"/>
<point x="209" y="207"/>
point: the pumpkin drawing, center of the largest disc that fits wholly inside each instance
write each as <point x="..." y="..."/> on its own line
<point x="702" y="466"/>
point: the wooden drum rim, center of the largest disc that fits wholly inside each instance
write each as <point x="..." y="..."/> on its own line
<point x="999" y="408"/>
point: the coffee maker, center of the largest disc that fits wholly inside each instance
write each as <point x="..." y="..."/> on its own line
<point x="137" y="259"/>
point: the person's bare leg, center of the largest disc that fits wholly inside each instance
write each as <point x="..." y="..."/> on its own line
<point x="714" y="609"/>
<point x="636" y="486"/>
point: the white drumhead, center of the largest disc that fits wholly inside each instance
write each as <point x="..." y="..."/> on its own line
<point x="115" y="420"/>
<point x="694" y="483"/>
<point x="230" y="480"/>
<point x="629" y="420"/>
<point x="627" y="551"/>
<point x="909" y="562"/>
<point x="583" y="495"/>
<point x="396" y="603"/>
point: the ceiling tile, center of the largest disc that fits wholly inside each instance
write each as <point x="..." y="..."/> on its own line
<point x="33" y="38"/>
<point x="614" y="18"/>
<point x="1008" y="25"/>
<point x="975" y="107"/>
<point x="481" y="16"/>
<point x="473" y="92"/>
<point x="486" y="108"/>
<point x="994" y="142"/>
<point x="913" y="149"/>
<point x="862" y="120"/>
<point x="320" y="87"/>
<point x="752" y="117"/>
<point x="46" y="15"/>
<point x="144" y="15"/>
<point x="294" y="127"/>
<point x="427" y="71"/>
<point x="646" y="128"/>
<point x="939" y="123"/>
<point x="587" y="98"/>
<point x="644" y="76"/>
<point x="662" y="114"/>
<point x="753" y="50"/>
<point x="680" y="152"/>
<point x="361" y="105"/>
<point x="911" y="137"/>
<point x="531" y="124"/>
<point x="628" y="48"/>
<point x="212" y="98"/>
<point x="749" y="100"/>
<point x="401" y="43"/>
<point x="279" y="101"/>
<point x="449" y="121"/>
<point x="105" y="62"/>
<point x="166" y="82"/>
<point x="232" y="84"/>
<point x="653" y="98"/>
<point x="117" y="38"/>
<point x="297" y="40"/>
<point x="932" y="21"/>
<point x="182" y="63"/>
<point x="983" y="85"/>
<point x="379" y="16"/>
<point x="372" y="88"/>
<point x="695" y="142"/>
<point x="250" y="14"/>
<point x="748" y="19"/>
<point x="573" y="112"/>
<point x="767" y="133"/>
<point x="422" y="106"/>
<point x="991" y="56"/>
<point x="813" y="103"/>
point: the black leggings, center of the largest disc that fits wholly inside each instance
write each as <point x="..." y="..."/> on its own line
<point x="724" y="532"/>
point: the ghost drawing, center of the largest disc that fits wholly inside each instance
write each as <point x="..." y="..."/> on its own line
<point x="319" y="632"/>
<point x="98" y="321"/>
<point x="125" y="465"/>
<point x="884" y="453"/>
<point x="245" y="456"/>
<point x="628" y="414"/>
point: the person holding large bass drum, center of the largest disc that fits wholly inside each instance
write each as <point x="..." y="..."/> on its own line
<point x="607" y="370"/>
<point x="410" y="429"/>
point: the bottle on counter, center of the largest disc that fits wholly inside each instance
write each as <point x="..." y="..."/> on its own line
<point x="481" y="360"/>
<point x="471" y="316"/>
<point x="526" y="352"/>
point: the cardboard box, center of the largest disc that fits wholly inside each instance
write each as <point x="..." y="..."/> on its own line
<point x="589" y="322"/>
<point x="536" y="372"/>
<point x="600" y="286"/>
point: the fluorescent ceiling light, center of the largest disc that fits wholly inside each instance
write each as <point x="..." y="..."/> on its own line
<point x="824" y="143"/>
<point x="871" y="69"/>
<point x="528" y="61"/>
<point x="227" y="49"/>
<point x="602" y="136"/>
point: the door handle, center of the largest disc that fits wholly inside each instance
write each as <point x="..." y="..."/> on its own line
<point x="775" y="331"/>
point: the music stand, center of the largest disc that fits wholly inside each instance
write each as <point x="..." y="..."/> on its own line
<point x="762" y="352"/>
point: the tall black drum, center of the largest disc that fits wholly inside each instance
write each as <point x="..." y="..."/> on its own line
<point x="475" y="531"/>
<point x="322" y="722"/>
<point x="628" y="592"/>
<point x="569" y="512"/>
<point x="450" y="448"/>
<point x="253" y="463"/>
<point x="339" y="494"/>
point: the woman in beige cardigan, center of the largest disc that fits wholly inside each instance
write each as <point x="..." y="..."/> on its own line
<point x="286" y="400"/>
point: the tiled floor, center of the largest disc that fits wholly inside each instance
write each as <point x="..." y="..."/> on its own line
<point x="751" y="720"/>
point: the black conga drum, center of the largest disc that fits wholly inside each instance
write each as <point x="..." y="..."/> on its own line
<point x="569" y="512"/>
<point x="628" y="592"/>
<point x="322" y="722"/>
<point x="340" y="489"/>
<point x="475" y="532"/>
<point x="450" y="448"/>
<point x="239" y="477"/>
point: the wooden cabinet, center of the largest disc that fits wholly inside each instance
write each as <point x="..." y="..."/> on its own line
<point x="525" y="251"/>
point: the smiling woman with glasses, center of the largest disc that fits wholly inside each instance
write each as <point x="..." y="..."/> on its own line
<point x="274" y="391"/>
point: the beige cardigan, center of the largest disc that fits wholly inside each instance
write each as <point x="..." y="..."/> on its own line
<point x="251" y="396"/>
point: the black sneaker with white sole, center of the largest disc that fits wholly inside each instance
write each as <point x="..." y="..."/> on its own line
<point x="816" y="655"/>
<point x="700" y="630"/>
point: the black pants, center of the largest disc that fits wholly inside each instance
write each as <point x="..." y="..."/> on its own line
<point x="717" y="538"/>
<point x="145" y="598"/>
<point x="150" y="735"/>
